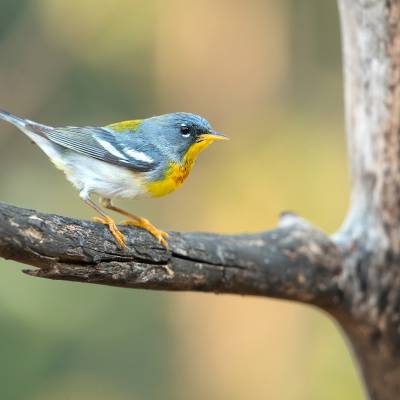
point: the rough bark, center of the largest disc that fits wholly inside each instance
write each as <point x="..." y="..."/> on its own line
<point x="370" y="236"/>
<point x="294" y="261"/>
<point x="355" y="275"/>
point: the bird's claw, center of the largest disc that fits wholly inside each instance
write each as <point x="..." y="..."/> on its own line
<point x="119" y="237"/>
<point x="161" y="236"/>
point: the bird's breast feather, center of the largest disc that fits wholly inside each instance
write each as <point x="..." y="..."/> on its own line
<point x="173" y="177"/>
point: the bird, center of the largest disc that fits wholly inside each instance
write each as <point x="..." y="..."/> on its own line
<point x="131" y="159"/>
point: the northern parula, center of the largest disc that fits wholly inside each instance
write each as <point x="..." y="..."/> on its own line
<point x="128" y="159"/>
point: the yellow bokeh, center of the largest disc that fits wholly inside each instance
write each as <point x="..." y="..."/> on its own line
<point x="265" y="73"/>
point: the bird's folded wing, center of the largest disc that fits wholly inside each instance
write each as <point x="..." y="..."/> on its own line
<point x="103" y="145"/>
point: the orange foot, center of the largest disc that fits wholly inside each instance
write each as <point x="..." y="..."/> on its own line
<point x="145" y="224"/>
<point x="119" y="237"/>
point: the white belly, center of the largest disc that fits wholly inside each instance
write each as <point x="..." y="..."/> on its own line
<point x="107" y="180"/>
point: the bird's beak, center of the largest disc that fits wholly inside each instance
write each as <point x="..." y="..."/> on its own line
<point x="212" y="135"/>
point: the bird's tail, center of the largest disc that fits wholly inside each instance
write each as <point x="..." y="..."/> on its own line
<point x="13" y="119"/>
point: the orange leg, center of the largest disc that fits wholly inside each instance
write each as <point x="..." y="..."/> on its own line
<point x="107" y="220"/>
<point x="138" y="221"/>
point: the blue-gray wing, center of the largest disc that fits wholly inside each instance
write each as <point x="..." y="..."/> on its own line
<point x="123" y="149"/>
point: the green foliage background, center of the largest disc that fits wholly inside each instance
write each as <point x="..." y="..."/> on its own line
<point x="267" y="73"/>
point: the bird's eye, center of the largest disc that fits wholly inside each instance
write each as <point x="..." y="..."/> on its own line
<point x="185" y="130"/>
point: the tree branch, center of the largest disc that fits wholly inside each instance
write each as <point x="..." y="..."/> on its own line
<point x="294" y="261"/>
<point x="370" y="237"/>
<point x="371" y="52"/>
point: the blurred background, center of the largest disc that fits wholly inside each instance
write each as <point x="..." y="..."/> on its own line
<point x="265" y="72"/>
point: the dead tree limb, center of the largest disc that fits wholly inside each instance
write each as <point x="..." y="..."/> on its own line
<point x="295" y="261"/>
<point x="370" y="237"/>
<point x="355" y="275"/>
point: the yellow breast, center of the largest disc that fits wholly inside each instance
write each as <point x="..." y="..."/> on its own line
<point x="176" y="173"/>
<point x="174" y="178"/>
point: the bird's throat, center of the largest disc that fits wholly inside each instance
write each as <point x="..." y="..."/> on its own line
<point x="194" y="150"/>
<point x="177" y="172"/>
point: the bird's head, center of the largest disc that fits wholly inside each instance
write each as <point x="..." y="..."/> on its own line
<point x="182" y="135"/>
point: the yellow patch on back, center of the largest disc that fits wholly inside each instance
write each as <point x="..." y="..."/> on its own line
<point x="177" y="173"/>
<point x="123" y="126"/>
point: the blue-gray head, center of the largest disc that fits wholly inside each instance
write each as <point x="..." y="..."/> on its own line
<point x="181" y="134"/>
